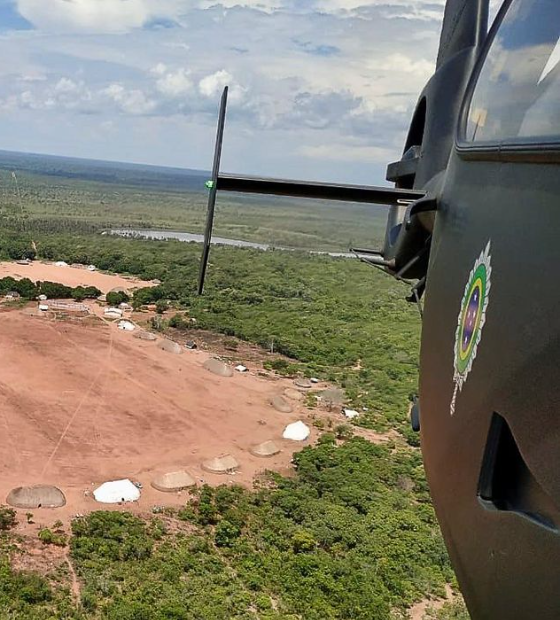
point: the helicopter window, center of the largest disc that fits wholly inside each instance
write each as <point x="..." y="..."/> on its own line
<point x="516" y="98"/>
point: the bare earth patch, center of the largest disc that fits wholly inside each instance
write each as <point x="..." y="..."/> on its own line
<point x="82" y="403"/>
<point x="69" y="276"/>
<point x="419" y="611"/>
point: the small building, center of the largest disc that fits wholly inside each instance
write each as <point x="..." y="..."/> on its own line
<point x="91" y="268"/>
<point x="12" y="295"/>
<point x="125" y="307"/>
<point x="43" y="308"/>
<point x="68" y="306"/>
<point x="61" y="263"/>
<point x="120" y="289"/>
<point x="113" y="313"/>
<point x="42" y="298"/>
<point x="126" y="326"/>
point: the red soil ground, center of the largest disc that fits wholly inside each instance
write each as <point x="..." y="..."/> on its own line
<point x="69" y="276"/>
<point x="82" y="403"/>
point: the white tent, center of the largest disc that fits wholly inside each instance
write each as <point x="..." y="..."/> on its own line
<point x="117" y="492"/>
<point x="61" y="263"/>
<point x="127" y="326"/>
<point x="297" y="431"/>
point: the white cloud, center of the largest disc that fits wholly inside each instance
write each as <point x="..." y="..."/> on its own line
<point x="346" y="153"/>
<point x="212" y="86"/>
<point x="261" y="5"/>
<point x="401" y="63"/>
<point x="118" y="16"/>
<point x="85" y="15"/>
<point x="286" y="88"/>
<point x="173" y="83"/>
<point x="65" y="85"/>
<point x="159" y="69"/>
<point x="132" y="101"/>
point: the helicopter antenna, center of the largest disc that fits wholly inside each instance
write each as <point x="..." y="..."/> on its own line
<point x="212" y="185"/>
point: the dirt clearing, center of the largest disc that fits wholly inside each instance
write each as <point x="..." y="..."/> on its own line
<point x="84" y="403"/>
<point x="69" y="276"/>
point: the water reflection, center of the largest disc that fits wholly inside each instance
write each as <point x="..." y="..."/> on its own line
<point x="517" y="94"/>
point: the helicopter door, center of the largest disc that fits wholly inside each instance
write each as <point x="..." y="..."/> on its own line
<point x="490" y="360"/>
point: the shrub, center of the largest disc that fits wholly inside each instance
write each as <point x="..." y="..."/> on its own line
<point x="226" y="534"/>
<point x="344" y="431"/>
<point x="48" y="537"/>
<point x="177" y="321"/>
<point x="303" y="542"/>
<point x="7" y="518"/>
<point x="117" y="298"/>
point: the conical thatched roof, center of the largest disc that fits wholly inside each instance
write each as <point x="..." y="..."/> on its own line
<point x="293" y="394"/>
<point x="218" y="367"/>
<point x="173" y="481"/>
<point x="332" y="396"/>
<point x="302" y="382"/>
<point x="143" y="335"/>
<point x="170" y="346"/>
<point x="281" y="404"/>
<point x="39" y="496"/>
<point x="221" y="465"/>
<point x="265" y="450"/>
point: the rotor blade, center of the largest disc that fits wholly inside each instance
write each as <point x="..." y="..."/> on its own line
<point x="323" y="191"/>
<point x="213" y="189"/>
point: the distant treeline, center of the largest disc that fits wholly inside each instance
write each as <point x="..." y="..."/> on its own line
<point x="103" y="171"/>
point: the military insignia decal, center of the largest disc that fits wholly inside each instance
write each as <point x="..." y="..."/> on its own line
<point x="471" y="321"/>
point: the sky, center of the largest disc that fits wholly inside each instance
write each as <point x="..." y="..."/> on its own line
<point x="319" y="89"/>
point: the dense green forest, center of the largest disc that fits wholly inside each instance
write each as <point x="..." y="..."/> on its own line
<point x="352" y="535"/>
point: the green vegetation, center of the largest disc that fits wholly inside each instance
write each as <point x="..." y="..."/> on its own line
<point x="48" y="537"/>
<point x="451" y="611"/>
<point x="7" y="518"/>
<point x="54" y="195"/>
<point x="25" y="595"/>
<point x="117" y="298"/>
<point x="31" y="290"/>
<point x="340" y="540"/>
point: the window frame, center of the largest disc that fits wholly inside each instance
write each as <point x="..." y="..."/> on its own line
<point x="513" y="149"/>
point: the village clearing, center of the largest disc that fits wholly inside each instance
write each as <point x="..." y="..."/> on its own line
<point x="83" y="402"/>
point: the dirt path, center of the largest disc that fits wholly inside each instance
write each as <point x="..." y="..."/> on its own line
<point x="75" y="584"/>
<point x="419" y="611"/>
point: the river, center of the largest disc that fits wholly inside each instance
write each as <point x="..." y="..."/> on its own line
<point x="194" y="238"/>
